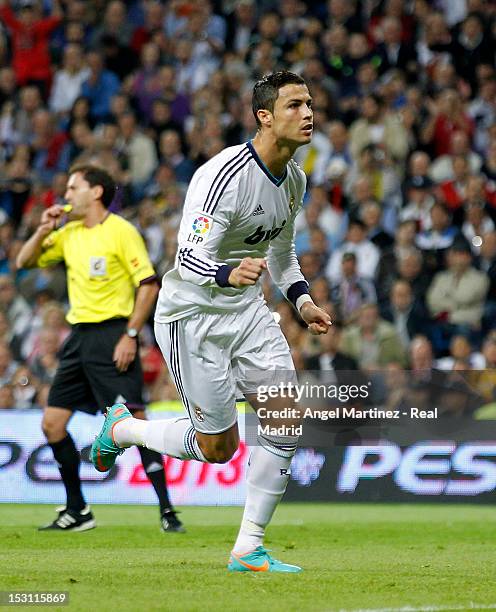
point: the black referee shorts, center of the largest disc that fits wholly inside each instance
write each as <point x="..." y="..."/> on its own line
<point x="87" y="378"/>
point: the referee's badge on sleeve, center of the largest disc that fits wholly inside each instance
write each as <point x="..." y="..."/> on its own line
<point x="199" y="227"/>
<point x="98" y="266"/>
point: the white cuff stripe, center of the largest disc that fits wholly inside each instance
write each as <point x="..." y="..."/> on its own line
<point x="302" y="300"/>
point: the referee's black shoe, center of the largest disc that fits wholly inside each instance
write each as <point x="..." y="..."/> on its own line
<point x="170" y="522"/>
<point x="71" y="520"/>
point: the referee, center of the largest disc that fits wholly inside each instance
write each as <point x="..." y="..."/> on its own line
<point x="112" y="289"/>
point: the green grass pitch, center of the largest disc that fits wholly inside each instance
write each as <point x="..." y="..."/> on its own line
<point x="354" y="557"/>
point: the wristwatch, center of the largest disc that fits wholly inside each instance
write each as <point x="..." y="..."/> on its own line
<point x="132" y="332"/>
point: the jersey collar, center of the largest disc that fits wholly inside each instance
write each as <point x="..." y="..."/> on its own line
<point x="273" y="179"/>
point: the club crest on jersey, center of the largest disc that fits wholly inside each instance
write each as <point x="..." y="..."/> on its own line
<point x="291" y="202"/>
<point x="199" y="414"/>
<point x="200" y="228"/>
<point x="261" y="234"/>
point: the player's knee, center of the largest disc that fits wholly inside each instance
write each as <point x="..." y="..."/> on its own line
<point x="53" y="429"/>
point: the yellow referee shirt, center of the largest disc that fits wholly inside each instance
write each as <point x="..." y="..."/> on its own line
<point x="105" y="264"/>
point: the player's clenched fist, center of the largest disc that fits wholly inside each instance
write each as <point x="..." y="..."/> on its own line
<point x="317" y="319"/>
<point x="248" y="272"/>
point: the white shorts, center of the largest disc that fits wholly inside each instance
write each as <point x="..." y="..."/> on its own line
<point x="214" y="358"/>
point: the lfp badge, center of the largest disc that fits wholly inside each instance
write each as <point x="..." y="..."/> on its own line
<point x="200" y="226"/>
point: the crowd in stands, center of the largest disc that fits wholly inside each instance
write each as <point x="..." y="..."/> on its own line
<point x="397" y="236"/>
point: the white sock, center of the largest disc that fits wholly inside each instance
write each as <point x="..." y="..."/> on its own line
<point x="266" y="480"/>
<point x="173" y="437"/>
<point x="129" y="432"/>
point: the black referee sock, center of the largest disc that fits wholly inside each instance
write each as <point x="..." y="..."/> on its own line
<point x="154" y="468"/>
<point x="67" y="456"/>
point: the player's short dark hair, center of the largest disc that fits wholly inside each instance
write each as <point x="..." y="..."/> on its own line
<point x="266" y="91"/>
<point x="96" y="176"/>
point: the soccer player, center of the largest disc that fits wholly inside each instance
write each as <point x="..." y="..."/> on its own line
<point x="112" y="290"/>
<point x="211" y="321"/>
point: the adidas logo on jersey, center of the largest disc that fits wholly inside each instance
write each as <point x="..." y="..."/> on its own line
<point x="258" y="211"/>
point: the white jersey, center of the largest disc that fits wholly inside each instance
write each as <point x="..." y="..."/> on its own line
<point x="234" y="208"/>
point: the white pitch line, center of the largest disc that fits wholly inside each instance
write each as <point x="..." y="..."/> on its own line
<point x="470" y="606"/>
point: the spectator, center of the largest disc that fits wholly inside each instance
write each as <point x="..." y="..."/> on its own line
<point x="153" y="22"/>
<point x="8" y="366"/>
<point x="145" y="85"/>
<point x="99" y="87"/>
<point x="456" y="296"/>
<point x="44" y="365"/>
<point x="339" y="139"/>
<point x="443" y="169"/>
<point x="148" y="226"/>
<point x="172" y="155"/>
<point x="435" y="241"/>
<point x="418" y="167"/>
<point x="48" y="316"/>
<point x="485" y="378"/>
<point x="486" y="262"/>
<point x="319" y="290"/>
<point x="118" y="59"/>
<point x="161" y="120"/>
<point x="366" y="252"/>
<point x="393" y="51"/>
<point x="482" y="110"/>
<point x="336" y="174"/>
<point x="404" y="243"/>
<point x="352" y="291"/>
<point x="447" y="116"/>
<point x="477" y="222"/>
<point x="114" y="24"/>
<point x="471" y="48"/>
<point x="441" y="234"/>
<point x="240" y="29"/>
<point x="378" y="128"/>
<point x="139" y="150"/>
<point x="30" y="102"/>
<point x="452" y="192"/>
<point x="373" y="164"/>
<point x="460" y="350"/>
<point x="8" y="338"/>
<point x="372" y="342"/>
<point x="25" y="388"/>
<point x="15" y="306"/>
<point x="410" y="267"/>
<point x="30" y="35"/>
<point x="408" y="315"/>
<point x="49" y="146"/>
<point x="51" y="281"/>
<point x="330" y="358"/>
<point x="191" y="73"/>
<point x="68" y="80"/>
<point x="371" y="214"/>
<point x="419" y="202"/>
<point x="421" y="356"/>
